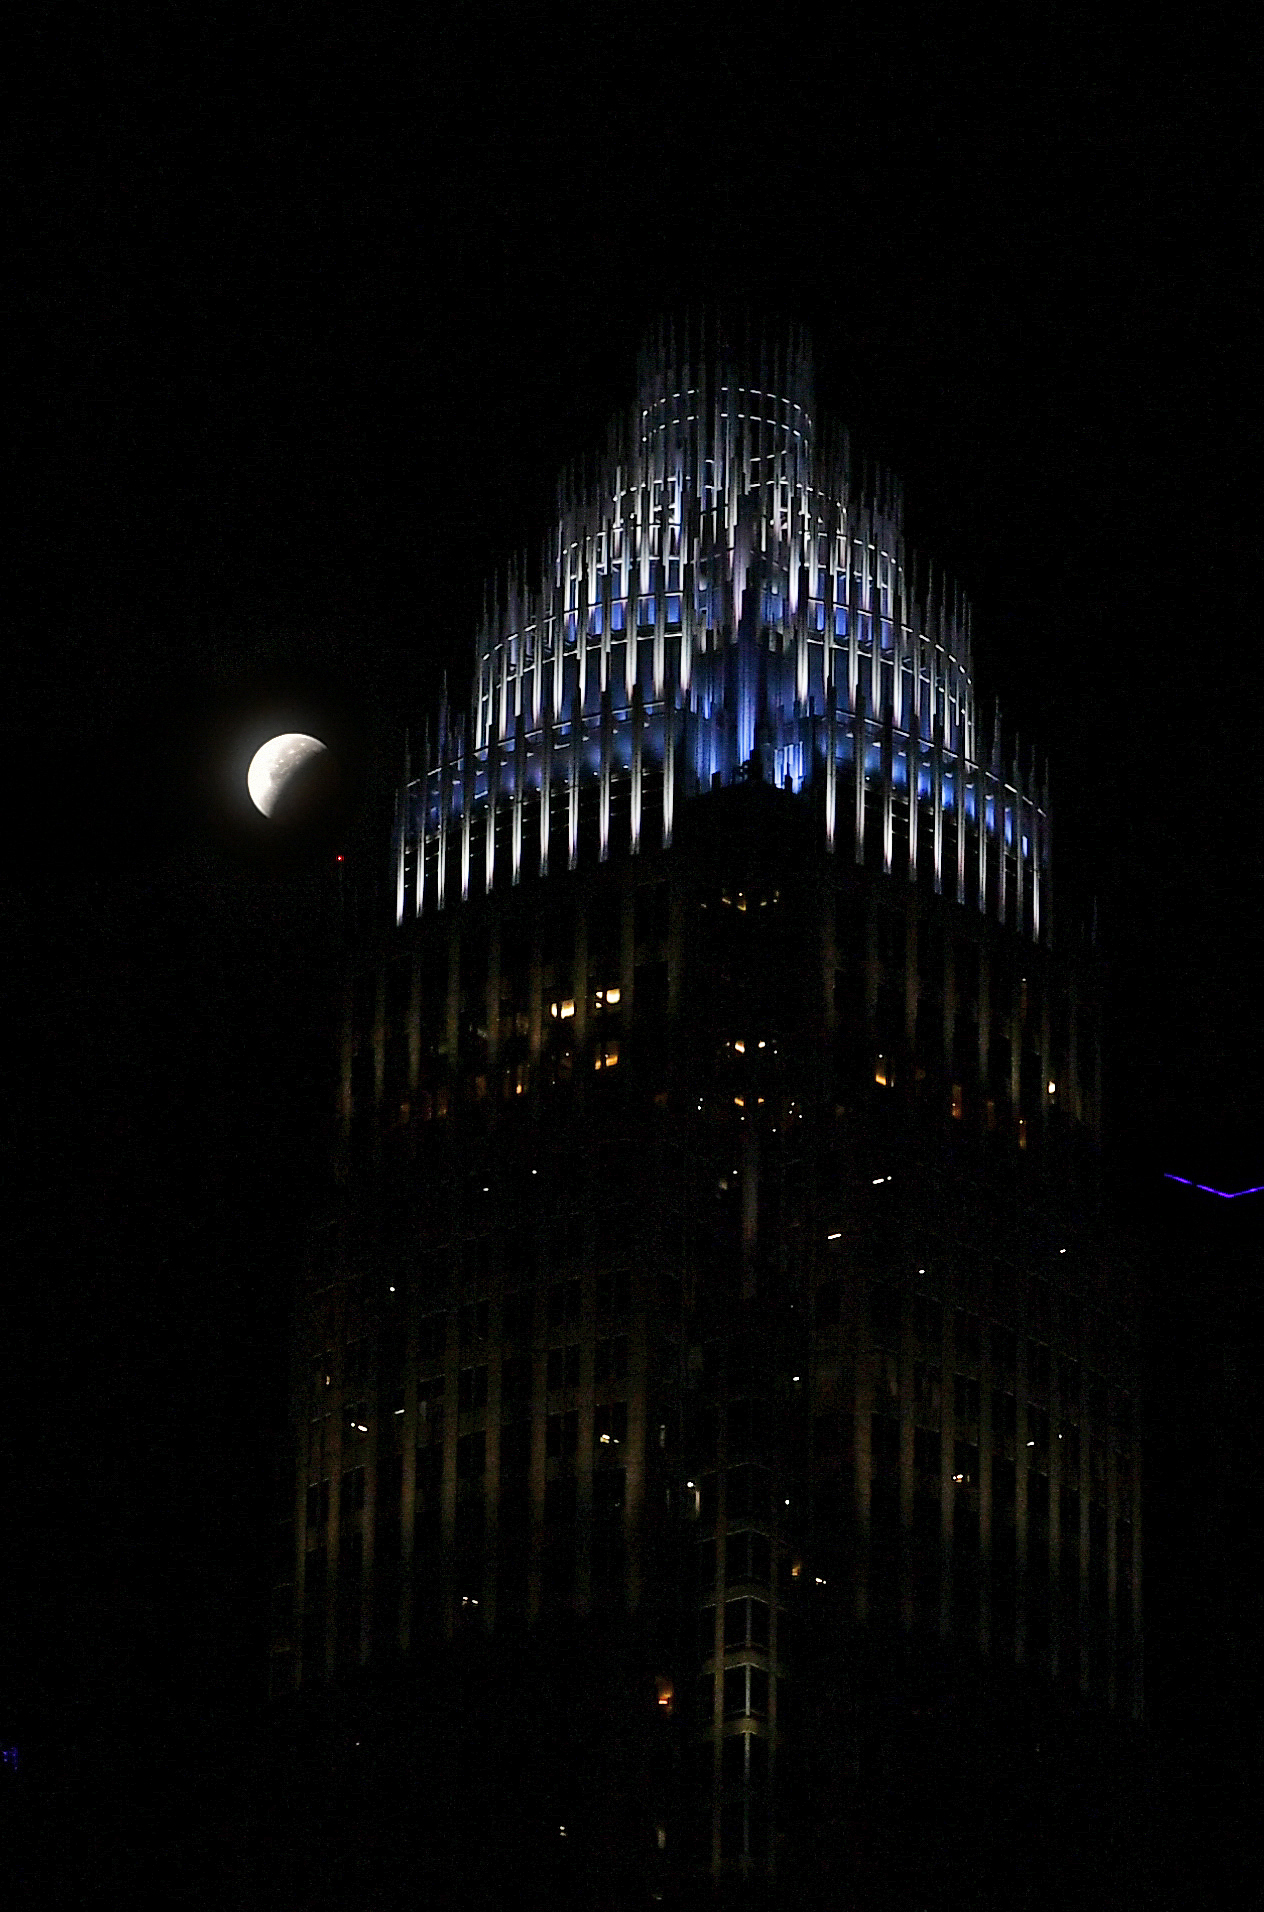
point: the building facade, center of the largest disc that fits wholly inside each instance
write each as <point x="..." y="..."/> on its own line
<point x="715" y="1258"/>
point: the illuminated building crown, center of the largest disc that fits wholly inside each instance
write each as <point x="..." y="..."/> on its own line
<point x="720" y="599"/>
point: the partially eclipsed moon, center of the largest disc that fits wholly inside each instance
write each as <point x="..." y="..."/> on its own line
<point x="274" y="763"/>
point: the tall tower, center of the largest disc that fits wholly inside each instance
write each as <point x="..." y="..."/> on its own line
<point x="715" y="1263"/>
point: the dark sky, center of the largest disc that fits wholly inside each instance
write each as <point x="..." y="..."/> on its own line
<point x="310" y="317"/>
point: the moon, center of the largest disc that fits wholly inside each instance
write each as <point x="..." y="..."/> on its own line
<point x="274" y="763"/>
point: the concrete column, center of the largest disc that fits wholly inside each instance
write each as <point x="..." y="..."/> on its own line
<point x="863" y="1445"/>
<point x="346" y="1045"/>
<point x="906" y="1460"/>
<point x="584" y="1448"/>
<point x="333" y="1465"/>
<point x="638" y="1438"/>
<point x="985" y="1484"/>
<point x="535" y="996"/>
<point x="452" y="1017"/>
<point x="408" y="1510"/>
<point x="1057" y="1443"/>
<point x="627" y="952"/>
<point x="1085" y="1486"/>
<point x="368" y="1523"/>
<point x="1021" y="1452"/>
<point x="1112" y="1564"/>
<point x="414" y="1025"/>
<point x="829" y="956"/>
<point x="493" y="1003"/>
<point x="858" y="768"/>
<point x="447" y="1547"/>
<point x="873" y="965"/>
<point x="539" y="1418"/>
<point x="947" y="1440"/>
<point x="985" y="1017"/>
<point x="491" y="1479"/>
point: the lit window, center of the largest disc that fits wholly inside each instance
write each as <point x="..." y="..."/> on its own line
<point x="740" y="1047"/>
<point x="612" y="997"/>
<point x="958" y="1103"/>
<point x="882" y="1073"/>
<point x="1053" y="1088"/>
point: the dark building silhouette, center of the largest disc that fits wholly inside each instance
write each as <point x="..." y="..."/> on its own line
<point x="715" y="1310"/>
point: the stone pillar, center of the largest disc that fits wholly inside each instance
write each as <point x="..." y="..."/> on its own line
<point x="906" y="1459"/>
<point x="947" y="1450"/>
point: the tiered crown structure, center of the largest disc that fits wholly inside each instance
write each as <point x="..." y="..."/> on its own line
<point x="720" y="600"/>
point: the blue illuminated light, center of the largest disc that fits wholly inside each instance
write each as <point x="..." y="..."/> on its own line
<point x="752" y="667"/>
<point x="1225" y="1194"/>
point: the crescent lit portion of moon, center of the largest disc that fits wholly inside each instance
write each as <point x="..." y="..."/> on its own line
<point x="274" y="763"/>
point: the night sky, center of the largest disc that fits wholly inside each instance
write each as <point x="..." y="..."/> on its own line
<point x="309" y="321"/>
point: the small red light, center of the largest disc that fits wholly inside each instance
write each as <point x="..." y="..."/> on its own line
<point x="340" y="859"/>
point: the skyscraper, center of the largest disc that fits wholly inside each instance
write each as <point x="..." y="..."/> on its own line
<point x="716" y="1263"/>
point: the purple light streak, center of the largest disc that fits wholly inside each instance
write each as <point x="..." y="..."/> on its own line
<point x="1225" y="1194"/>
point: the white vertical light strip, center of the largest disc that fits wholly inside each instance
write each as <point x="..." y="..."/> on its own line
<point x="937" y="800"/>
<point x="401" y="813"/>
<point x="669" y="771"/>
<point x="572" y="783"/>
<point x="638" y="751"/>
<point x="914" y="768"/>
<point x="843" y="585"/>
<point x="467" y="810"/>
<point x="503" y="700"/>
<point x="831" y="767"/>
<point x="423" y="821"/>
<point x="419" y="840"/>
<point x="441" y="865"/>
<point x="959" y="806"/>
<point x="489" y="816"/>
<point x="858" y="765"/>
<point x="888" y="792"/>
<point x="1019" y="873"/>
<point x="980" y="824"/>
<point x="603" y="799"/>
<point x="520" y="777"/>
<point x="546" y="787"/>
